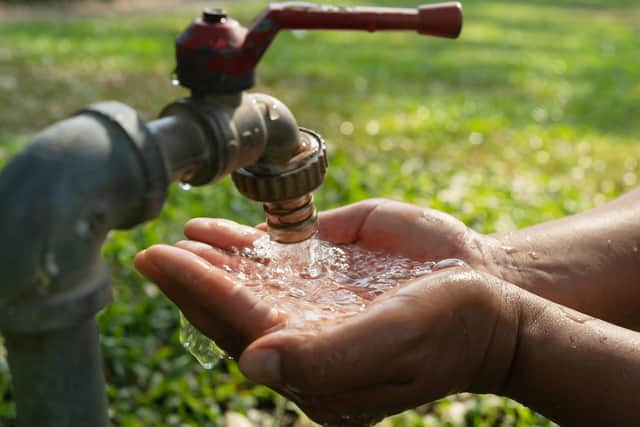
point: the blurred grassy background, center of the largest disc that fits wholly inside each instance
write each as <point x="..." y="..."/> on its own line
<point x="531" y="115"/>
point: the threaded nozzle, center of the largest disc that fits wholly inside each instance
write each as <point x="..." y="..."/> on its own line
<point x="292" y="221"/>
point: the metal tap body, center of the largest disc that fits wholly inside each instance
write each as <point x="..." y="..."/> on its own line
<point x="255" y="138"/>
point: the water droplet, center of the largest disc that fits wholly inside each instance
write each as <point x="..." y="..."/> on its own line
<point x="635" y="249"/>
<point x="51" y="264"/>
<point x="174" y="80"/>
<point x="185" y="186"/>
<point x="206" y="352"/>
<point x="448" y="263"/>
<point x="533" y="255"/>
<point x="274" y="114"/>
<point x="82" y="228"/>
<point x="508" y="249"/>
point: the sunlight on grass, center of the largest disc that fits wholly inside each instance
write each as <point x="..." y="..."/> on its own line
<point x="530" y="116"/>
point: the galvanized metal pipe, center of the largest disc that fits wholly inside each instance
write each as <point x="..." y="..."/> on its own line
<point x="57" y="377"/>
<point x="59" y="197"/>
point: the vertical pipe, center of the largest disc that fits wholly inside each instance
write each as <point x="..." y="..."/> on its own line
<point x="57" y="377"/>
<point x="94" y="172"/>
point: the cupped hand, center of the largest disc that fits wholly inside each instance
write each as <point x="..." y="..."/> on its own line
<point x="405" y="229"/>
<point x="449" y="331"/>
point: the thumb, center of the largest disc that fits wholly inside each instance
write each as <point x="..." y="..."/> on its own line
<point x="261" y="366"/>
<point x="332" y="359"/>
<point x="262" y="361"/>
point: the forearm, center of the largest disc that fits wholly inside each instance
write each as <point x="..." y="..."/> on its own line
<point x="589" y="261"/>
<point x="573" y="368"/>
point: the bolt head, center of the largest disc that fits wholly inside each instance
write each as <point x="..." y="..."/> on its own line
<point x="214" y="16"/>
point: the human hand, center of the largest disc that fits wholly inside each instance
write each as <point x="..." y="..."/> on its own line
<point x="377" y="224"/>
<point x="405" y="229"/>
<point x="449" y="331"/>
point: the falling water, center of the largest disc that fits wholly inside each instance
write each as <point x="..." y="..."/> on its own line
<point x="313" y="281"/>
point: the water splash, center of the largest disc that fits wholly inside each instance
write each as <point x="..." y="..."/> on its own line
<point x="313" y="282"/>
<point x="206" y="352"/>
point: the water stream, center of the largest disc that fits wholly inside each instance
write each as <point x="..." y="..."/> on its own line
<point x="312" y="281"/>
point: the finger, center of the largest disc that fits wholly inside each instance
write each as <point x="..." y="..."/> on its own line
<point x="144" y="265"/>
<point x="214" y="290"/>
<point x="262" y="227"/>
<point x="397" y="228"/>
<point x="211" y="326"/>
<point x="222" y="233"/>
<point x="342" y="225"/>
<point x="211" y="254"/>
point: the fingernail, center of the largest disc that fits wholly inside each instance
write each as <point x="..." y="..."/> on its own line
<point x="261" y="366"/>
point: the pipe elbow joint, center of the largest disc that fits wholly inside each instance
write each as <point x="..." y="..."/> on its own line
<point x="96" y="171"/>
<point x="281" y="130"/>
<point x="293" y="162"/>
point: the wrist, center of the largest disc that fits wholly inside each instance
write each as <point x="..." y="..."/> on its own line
<point x="525" y="262"/>
<point x="499" y="258"/>
<point x="494" y="371"/>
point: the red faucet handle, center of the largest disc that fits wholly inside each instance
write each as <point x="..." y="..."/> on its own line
<point x="216" y="54"/>
<point x="440" y="20"/>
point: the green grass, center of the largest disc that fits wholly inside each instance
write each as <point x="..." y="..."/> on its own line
<point x="530" y="116"/>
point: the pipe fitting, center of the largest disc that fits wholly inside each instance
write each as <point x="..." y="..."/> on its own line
<point x="292" y="221"/>
<point x="78" y="179"/>
<point x="256" y="139"/>
<point x="59" y="197"/>
<point x="232" y="134"/>
<point x="274" y="182"/>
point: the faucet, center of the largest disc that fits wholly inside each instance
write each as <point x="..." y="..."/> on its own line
<point x="105" y="168"/>
<point x="276" y="162"/>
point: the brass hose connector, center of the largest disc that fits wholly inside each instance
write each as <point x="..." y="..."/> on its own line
<point x="285" y="189"/>
<point x="292" y="221"/>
